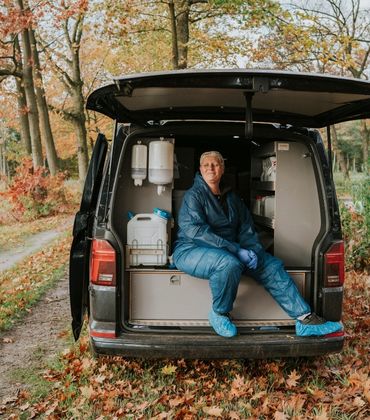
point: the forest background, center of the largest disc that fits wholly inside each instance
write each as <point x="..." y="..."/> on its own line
<point x="53" y="54"/>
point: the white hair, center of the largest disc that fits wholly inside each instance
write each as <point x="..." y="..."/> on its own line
<point x="215" y="154"/>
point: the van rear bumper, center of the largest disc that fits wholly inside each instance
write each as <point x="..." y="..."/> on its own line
<point x="192" y="346"/>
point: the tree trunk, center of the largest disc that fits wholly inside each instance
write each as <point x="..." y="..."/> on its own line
<point x="2" y="156"/>
<point x="175" y="53"/>
<point x="92" y="121"/>
<point x="70" y="75"/>
<point x="179" y="16"/>
<point x="365" y="145"/>
<point x="79" y="122"/>
<point x="182" y="25"/>
<point x="83" y="158"/>
<point x="79" y="108"/>
<point x="334" y="161"/>
<point x="45" y="126"/>
<point x="341" y="159"/>
<point x="4" y="167"/>
<point x="30" y="97"/>
<point x="82" y="155"/>
<point x="23" y="118"/>
<point x="75" y="86"/>
<point x="22" y="105"/>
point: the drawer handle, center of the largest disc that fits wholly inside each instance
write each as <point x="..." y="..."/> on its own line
<point x="175" y="280"/>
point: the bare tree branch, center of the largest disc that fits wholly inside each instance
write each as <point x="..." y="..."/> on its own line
<point x="67" y="115"/>
<point x="6" y="72"/>
<point x="66" y="33"/>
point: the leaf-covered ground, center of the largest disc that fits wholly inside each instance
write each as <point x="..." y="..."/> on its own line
<point x="16" y="234"/>
<point x="23" y="285"/>
<point x="331" y="387"/>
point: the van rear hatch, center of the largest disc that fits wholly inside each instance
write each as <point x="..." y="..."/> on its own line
<point x="270" y="96"/>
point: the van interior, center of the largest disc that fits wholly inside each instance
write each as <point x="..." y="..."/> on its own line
<point x="275" y="174"/>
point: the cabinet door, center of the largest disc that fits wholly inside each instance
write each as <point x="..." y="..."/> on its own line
<point x="297" y="213"/>
<point x="168" y="296"/>
<point x="296" y="207"/>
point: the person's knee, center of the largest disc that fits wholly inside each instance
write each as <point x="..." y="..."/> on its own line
<point x="228" y="263"/>
<point x="268" y="265"/>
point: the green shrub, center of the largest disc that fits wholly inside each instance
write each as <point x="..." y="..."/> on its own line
<point x="356" y="227"/>
<point x="69" y="165"/>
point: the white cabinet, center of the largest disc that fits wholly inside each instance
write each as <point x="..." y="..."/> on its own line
<point x="166" y="297"/>
<point x="293" y="214"/>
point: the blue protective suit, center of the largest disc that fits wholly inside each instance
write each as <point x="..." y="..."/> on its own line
<point x="207" y="243"/>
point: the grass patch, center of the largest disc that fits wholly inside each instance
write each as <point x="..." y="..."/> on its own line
<point x="345" y="187"/>
<point x="21" y="287"/>
<point x="16" y="234"/>
<point x="40" y="389"/>
<point x="31" y="375"/>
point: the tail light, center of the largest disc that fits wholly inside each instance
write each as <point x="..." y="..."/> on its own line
<point x="334" y="265"/>
<point x="102" y="263"/>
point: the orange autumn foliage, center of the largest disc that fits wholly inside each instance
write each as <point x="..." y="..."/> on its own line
<point x="34" y="193"/>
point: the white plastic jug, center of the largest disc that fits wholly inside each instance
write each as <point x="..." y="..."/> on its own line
<point x="269" y="169"/>
<point x="147" y="240"/>
<point x="269" y="207"/>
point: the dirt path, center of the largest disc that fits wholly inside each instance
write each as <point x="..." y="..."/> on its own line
<point x="35" y="340"/>
<point x="32" y="244"/>
<point x="41" y="334"/>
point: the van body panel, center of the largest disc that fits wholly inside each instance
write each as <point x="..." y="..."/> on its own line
<point x="168" y="301"/>
<point x="82" y="232"/>
<point x="209" y="346"/>
<point x="332" y="300"/>
<point x="309" y="100"/>
<point x="155" y="310"/>
<point x="103" y="303"/>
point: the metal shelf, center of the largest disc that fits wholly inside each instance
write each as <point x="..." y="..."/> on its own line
<point x="265" y="221"/>
<point x="264" y="185"/>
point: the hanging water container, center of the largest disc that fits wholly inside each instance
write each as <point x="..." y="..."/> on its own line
<point x="161" y="163"/>
<point x="139" y="163"/>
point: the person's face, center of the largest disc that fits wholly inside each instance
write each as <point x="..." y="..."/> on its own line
<point x="211" y="170"/>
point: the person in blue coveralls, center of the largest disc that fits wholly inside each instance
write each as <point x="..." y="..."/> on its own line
<point x="217" y="241"/>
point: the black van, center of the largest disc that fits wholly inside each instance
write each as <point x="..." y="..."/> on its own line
<point x="265" y="124"/>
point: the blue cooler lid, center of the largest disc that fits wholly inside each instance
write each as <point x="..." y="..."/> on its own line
<point x="162" y="213"/>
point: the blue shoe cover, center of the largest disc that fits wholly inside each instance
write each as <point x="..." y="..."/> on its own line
<point x="327" y="327"/>
<point x="222" y="324"/>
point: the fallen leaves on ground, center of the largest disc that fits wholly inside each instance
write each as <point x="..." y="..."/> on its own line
<point x="22" y="286"/>
<point x="335" y="386"/>
<point x="292" y="380"/>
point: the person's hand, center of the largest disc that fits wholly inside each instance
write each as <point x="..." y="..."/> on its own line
<point x="248" y="258"/>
